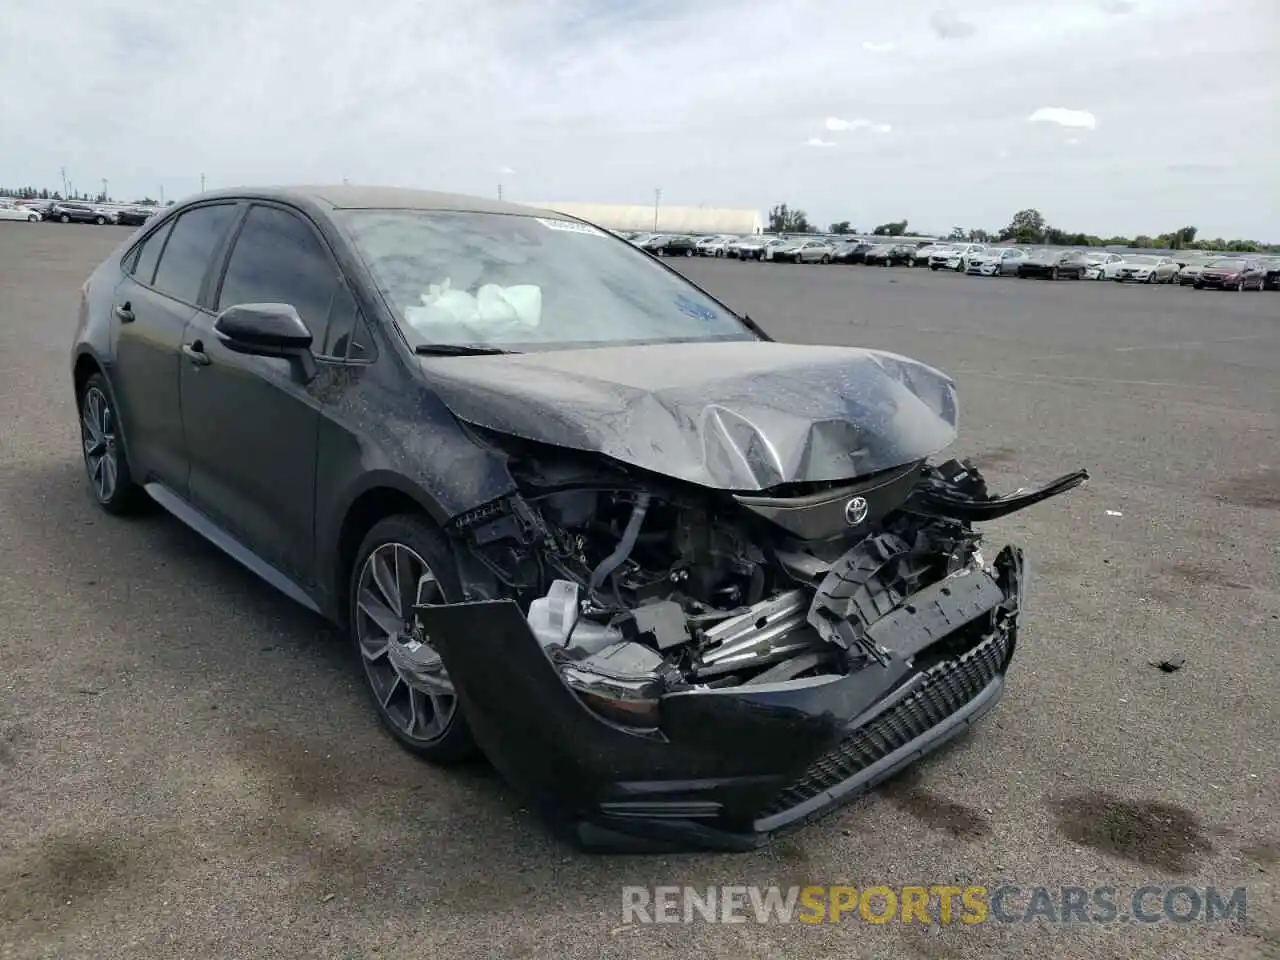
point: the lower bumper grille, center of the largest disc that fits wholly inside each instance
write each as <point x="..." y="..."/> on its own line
<point x="946" y="688"/>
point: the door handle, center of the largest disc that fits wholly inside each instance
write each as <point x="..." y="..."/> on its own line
<point x="124" y="312"/>
<point x="195" y="353"/>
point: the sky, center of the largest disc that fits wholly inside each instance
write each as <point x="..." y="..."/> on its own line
<point x="1109" y="116"/>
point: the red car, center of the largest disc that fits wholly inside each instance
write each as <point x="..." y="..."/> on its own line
<point x="1232" y="273"/>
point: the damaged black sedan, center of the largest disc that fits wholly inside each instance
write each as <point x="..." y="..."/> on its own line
<point x="683" y="585"/>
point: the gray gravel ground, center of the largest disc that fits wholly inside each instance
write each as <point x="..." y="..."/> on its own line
<point x="188" y="767"/>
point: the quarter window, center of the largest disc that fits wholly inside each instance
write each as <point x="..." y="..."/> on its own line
<point x="278" y="258"/>
<point x="192" y="242"/>
<point x="148" y="255"/>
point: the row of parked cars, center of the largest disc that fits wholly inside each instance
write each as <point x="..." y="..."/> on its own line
<point x="74" y="211"/>
<point x="1193" y="268"/>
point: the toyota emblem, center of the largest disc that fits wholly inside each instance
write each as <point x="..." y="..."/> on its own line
<point x="856" y="510"/>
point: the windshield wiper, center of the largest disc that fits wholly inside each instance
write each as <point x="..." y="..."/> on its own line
<point x="457" y="350"/>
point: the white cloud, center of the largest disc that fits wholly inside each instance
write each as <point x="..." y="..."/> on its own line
<point x="949" y="25"/>
<point x="506" y="170"/>
<point x="882" y="128"/>
<point x="871" y="46"/>
<point x="1073" y="141"/>
<point x="835" y="123"/>
<point x="818" y="142"/>
<point x="1064" y="117"/>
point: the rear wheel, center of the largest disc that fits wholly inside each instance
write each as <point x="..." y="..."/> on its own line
<point x="688" y="253"/>
<point x="33" y="218"/>
<point x="100" y="220"/>
<point x="102" y="445"/>
<point x="826" y="258"/>
<point x="403" y="561"/>
<point x="65" y="218"/>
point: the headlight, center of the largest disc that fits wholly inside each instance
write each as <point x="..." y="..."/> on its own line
<point x="628" y="695"/>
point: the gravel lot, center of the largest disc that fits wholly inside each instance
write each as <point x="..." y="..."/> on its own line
<point x="188" y="766"/>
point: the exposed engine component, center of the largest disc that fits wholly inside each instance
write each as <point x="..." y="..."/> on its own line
<point x="635" y="591"/>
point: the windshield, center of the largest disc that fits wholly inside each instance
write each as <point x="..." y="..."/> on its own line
<point x="521" y="282"/>
<point x="1227" y="264"/>
<point x="1147" y="260"/>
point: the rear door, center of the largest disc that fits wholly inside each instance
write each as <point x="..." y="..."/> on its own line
<point x="164" y="275"/>
<point x="251" y="423"/>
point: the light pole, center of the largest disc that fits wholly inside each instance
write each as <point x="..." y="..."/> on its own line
<point x="657" y="202"/>
<point x="202" y="183"/>
<point x="499" y="191"/>
<point x="104" y="189"/>
<point x="66" y="186"/>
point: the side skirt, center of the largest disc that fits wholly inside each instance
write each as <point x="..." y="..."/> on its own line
<point x="229" y="545"/>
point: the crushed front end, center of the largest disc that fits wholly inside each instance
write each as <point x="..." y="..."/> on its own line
<point x="660" y="667"/>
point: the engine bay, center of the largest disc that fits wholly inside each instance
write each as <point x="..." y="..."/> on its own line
<point x="636" y="587"/>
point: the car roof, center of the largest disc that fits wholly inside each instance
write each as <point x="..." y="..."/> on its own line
<point x="352" y="197"/>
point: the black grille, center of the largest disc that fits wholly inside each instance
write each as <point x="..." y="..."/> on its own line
<point x="946" y="688"/>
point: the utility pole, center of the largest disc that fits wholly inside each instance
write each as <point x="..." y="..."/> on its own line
<point x="499" y="191"/>
<point x="66" y="187"/>
<point x="105" y="196"/>
<point x="657" y="202"/>
<point x="162" y="194"/>
<point x="202" y="183"/>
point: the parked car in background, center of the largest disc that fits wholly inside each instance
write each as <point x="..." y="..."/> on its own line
<point x="1232" y="273"/>
<point x="1098" y="264"/>
<point x="920" y="258"/>
<point x="1191" y="265"/>
<point x="1054" y="265"/>
<point x="771" y="245"/>
<point x="957" y="258"/>
<point x="1270" y="273"/>
<point x="748" y="248"/>
<point x="12" y="211"/>
<point x="1142" y="268"/>
<point x="803" y="251"/>
<point x="134" y="216"/>
<point x="855" y="251"/>
<point x="72" y="211"/>
<point x="713" y="246"/>
<point x="988" y="263"/>
<point x="679" y="246"/>
<point x="39" y="207"/>
<point x="889" y="255"/>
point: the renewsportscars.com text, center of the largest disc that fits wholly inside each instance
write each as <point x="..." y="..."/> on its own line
<point x="938" y="903"/>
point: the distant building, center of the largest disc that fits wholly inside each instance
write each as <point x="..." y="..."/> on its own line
<point x="621" y="217"/>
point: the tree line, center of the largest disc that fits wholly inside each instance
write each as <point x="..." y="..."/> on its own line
<point x="1026" y="227"/>
<point x="42" y="193"/>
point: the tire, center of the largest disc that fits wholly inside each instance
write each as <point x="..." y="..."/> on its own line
<point x="64" y="218"/>
<point x="103" y="449"/>
<point x="688" y="253"/>
<point x="932" y="267"/>
<point x="1151" y="277"/>
<point x="412" y="539"/>
<point x="33" y="219"/>
<point x="1053" y="273"/>
<point x="826" y="258"/>
<point x="1239" y="286"/>
<point x="100" y="221"/>
<point x="719" y="253"/>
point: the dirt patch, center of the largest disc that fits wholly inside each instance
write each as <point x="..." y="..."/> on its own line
<point x="909" y="794"/>
<point x="1258" y="490"/>
<point x="995" y="457"/>
<point x="1154" y="834"/>
<point x="10" y="736"/>
<point x="1205" y="576"/>
<point x="1265" y="854"/>
<point x="63" y="872"/>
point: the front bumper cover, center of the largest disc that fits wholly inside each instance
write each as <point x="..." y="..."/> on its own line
<point x="729" y="767"/>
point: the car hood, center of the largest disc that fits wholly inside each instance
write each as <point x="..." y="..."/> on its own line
<point x="742" y="415"/>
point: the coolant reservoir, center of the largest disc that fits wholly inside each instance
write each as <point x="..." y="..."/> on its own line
<point x="554" y="617"/>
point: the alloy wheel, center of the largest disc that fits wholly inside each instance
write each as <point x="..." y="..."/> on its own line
<point x="101" y="446"/>
<point x="404" y="670"/>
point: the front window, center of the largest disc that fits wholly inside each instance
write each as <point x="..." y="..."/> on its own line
<point x="1141" y="261"/>
<point x="1228" y="265"/>
<point x="527" y="283"/>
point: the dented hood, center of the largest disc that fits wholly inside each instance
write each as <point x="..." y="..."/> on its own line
<point x="742" y="415"/>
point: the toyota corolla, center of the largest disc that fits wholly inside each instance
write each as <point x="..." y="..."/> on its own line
<point x="683" y="585"/>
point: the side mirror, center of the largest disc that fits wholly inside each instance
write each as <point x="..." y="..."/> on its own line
<point x="267" y="330"/>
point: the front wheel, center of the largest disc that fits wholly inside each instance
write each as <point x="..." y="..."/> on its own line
<point x="1053" y="274"/>
<point x="688" y="253"/>
<point x="404" y="561"/>
<point x="100" y="221"/>
<point x="33" y="219"/>
<point x="826" y="258"/>
<point x="102" y="445"/>
<point x="1239" y="286"/>
<point x="64" y="218"/>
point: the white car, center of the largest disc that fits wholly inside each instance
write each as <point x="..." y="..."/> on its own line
<point x="1098" y="264"/>
<point x="957" y="258"/>
<point x="713" y="246"/>
<point x="12" y="211"/>
<point x="1142" y="268"/>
